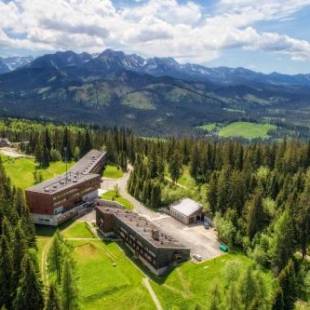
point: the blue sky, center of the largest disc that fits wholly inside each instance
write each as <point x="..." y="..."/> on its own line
<point x="264" y="35"/>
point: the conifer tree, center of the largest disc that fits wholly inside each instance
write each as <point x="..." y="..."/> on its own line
<point x="212" y="193"/>
<point x="278" y="303"/>
<point x="215" y="303"/>
<point x="7" y="231"/>
<point x="175" y="167"/>
<point x="6" y="272"/>
<point x="56" y="256"/>
<point x="29" y="294"/>
<point x="256" y="216"/>
<point x="69" y="294"/>
<point x="288" y="284"/>
<point x="283" y="241"/>
<point x="19" y="250"/>
<point x="247" y="289"/>
<point x="232" y="298"/>
<point x="52" y="302"/>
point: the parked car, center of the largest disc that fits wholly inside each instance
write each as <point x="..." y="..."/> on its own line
<point x="197" y="257"/>
<point x="224" y="247"/>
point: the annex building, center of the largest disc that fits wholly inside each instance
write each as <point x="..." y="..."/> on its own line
<point x="187" y="211"/>
<point x="155" y="249"/>
<point x="54" y="201"/>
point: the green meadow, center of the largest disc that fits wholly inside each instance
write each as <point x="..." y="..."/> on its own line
<point x="112" y="172"/>
<point x="21" y="170"/>
<point x="109" y="279"/>
<point x="246" y="130"/>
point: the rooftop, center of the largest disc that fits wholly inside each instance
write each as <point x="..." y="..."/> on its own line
<point x="147" y="230"/>
<point x="186" y="206"/>
<point x="88" y="162"/>
<point x="61" y="183"/>
<point x="80" y="172"/>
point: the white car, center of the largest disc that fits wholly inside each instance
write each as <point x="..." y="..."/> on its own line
<point x="197" y="257"/>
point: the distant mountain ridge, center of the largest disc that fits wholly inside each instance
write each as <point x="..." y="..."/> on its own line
<point x="12" y="63"/>
<point x="111" y="61"/>
<point x="154" y="96"/>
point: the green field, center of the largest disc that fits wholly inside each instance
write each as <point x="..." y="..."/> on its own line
<point x="190" y="285"/>
<point x="21" y="170"/>
<point x="246" y="130"/>
<point x="111" y="195"/>
<point x="112" y="172"/>
<point x="207" y="127"/>
<point x="109" y="279"/>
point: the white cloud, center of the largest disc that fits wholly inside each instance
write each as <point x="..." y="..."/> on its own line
<point x="153" y="28"/>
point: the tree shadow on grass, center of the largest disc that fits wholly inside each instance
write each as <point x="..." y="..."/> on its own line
<point x="49" y="231"/>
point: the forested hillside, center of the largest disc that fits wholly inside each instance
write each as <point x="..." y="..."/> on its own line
<point x="155" y="96"/>
<point x="258" y="195"/>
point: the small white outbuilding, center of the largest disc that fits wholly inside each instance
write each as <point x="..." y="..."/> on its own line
<point x="186" y="211"/>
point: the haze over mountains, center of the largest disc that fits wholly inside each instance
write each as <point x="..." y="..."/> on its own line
<point x="155" y="95"/>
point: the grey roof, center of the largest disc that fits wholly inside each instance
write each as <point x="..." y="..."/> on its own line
<point x="88" y="162"/>
<point x="186" y="206"/>
<point x="61" y="183"/>
<point x="143" y="227"/>
<point x="79" y="173"/>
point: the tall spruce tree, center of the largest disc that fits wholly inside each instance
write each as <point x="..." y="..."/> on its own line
<point x="52" y="302"/>
<point x="288" y="284"/>
<point x="6" y="272"/>
<point x="256" y="218"/>
<point x="29" y="294"/>
<point x="56" y="256"/>
<point x="69" y="293"/>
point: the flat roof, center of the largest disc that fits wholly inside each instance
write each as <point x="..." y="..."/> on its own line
<point x="61" y="183"/>
<point x="88" y="162"/>
<point x="186" y="206"/>
<point x="79" y="173"/>
<point x="143" y="227"/>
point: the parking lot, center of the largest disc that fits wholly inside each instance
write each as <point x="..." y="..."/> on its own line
<point x="201" y="241"/>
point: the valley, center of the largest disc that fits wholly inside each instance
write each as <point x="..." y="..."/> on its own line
<point x="112" y="88"/>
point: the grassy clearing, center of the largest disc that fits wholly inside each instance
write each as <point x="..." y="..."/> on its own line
<point x="191" y="284"/>
<point x="78" y="230"/>
<point x="109" y="279"/>
<point x="246" y="130"/>
<point x="111" y="195"/>
<point x="186" y="179"/>
<point x="112" y="172"/>
<point x="21" y="170"/>
<point x="207" y="127"/>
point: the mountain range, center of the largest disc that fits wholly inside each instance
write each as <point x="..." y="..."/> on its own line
<point x="153" y="96"/>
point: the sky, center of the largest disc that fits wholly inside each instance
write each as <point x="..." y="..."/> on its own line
<point x="263" y="35"/>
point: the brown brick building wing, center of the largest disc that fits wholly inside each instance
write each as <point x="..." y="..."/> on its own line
<point x="54" y="201"/>
<point x="155" y="249"/>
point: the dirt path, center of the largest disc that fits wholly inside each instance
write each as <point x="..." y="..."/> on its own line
<point x="146" y="283"/>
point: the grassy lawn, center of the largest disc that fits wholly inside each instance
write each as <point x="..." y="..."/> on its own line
<point x="246" y="130"/>
<point x="21" y="170"/>
<point x="112" y="172"/>
<point x="78" y="230"/>
<point x="190" y="284"/>
<point x="111" y="195"/>
<point x="107" y="278"/>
